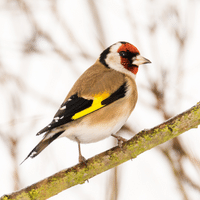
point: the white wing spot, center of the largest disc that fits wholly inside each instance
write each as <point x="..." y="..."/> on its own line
<point x="49" y="126"/>
<point x="63" y="108"/>
<point x="56" y="119"/>
<point x="62" y="117"/>
<point x="69" y="99"/>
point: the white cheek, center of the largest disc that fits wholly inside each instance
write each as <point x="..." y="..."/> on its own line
<point x="114" y="61"/>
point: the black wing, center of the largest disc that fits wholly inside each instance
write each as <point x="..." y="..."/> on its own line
<point x="76" y="104"/>
<point x="69" y="108"/>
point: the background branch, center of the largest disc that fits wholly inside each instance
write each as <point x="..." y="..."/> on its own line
<point x="140" y="143"/>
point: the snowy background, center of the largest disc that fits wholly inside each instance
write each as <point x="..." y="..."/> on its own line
<point x="45" y="45"/>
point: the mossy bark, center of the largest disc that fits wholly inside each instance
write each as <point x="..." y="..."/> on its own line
<point x="143" y="141"/>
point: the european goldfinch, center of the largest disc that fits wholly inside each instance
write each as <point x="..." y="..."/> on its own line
<point x="100" y="101"/>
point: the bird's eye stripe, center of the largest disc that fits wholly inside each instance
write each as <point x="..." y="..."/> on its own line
<point x="123" y="54"/>
<point x="127" y="54"/>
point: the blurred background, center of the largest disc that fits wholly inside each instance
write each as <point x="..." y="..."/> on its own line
<point x="45" y="45"/>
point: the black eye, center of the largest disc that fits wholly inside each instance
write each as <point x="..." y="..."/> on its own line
<point x="123" y="54"/>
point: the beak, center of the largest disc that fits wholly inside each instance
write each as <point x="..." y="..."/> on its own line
<point x="139" y="60"/>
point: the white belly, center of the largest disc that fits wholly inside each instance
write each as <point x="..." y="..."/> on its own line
<point x="92" y="133"/>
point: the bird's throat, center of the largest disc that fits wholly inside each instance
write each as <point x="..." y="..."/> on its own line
<point x="133" y="69"/>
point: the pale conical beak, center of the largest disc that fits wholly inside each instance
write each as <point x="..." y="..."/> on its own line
<point x="139" y="60"/>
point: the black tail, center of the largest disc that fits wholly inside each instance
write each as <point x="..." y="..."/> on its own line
<point x="42" y="145"/>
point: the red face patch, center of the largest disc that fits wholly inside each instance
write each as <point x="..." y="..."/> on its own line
<point x="128" y="47"/>
<point x="126" y="61"/>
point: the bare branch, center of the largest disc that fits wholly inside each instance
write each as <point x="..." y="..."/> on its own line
<point x="140" y="143"/>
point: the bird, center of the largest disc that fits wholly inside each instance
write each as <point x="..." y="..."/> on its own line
<point x="100" y="101"/>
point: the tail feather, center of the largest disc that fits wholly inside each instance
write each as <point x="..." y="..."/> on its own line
<point x="42" y="145"/>
<point x="44" y="130"/>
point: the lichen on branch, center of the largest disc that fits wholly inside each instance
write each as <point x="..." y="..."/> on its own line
<point x="140" y="143"/>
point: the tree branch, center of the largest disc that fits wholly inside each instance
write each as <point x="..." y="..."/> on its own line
<point x="140" y="143"/>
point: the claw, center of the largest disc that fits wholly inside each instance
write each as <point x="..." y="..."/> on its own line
<point x="120" y="140"/>
<point x="82" y="159"/>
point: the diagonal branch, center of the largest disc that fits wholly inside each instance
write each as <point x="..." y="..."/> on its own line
<point x="140" y="143"/>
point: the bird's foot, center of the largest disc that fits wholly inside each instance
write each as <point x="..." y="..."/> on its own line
<point x="120" y="140"/>
<point x="82" y="159"/>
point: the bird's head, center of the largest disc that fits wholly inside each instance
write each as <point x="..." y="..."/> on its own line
<point x="123" y="57"/>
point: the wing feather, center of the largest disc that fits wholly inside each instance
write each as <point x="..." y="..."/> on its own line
<point x="77" y="107"/>
<point x="97" y="87"/>
<point x="69" y="108"/>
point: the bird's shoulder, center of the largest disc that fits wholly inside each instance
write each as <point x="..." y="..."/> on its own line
<point x="96" y="80"/>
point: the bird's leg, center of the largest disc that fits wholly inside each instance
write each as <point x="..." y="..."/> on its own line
<point x="119" y="139"/>
<point x="81" y="158"/>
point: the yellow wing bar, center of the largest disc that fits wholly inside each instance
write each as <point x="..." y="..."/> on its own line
<point x="98" y="98"/>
